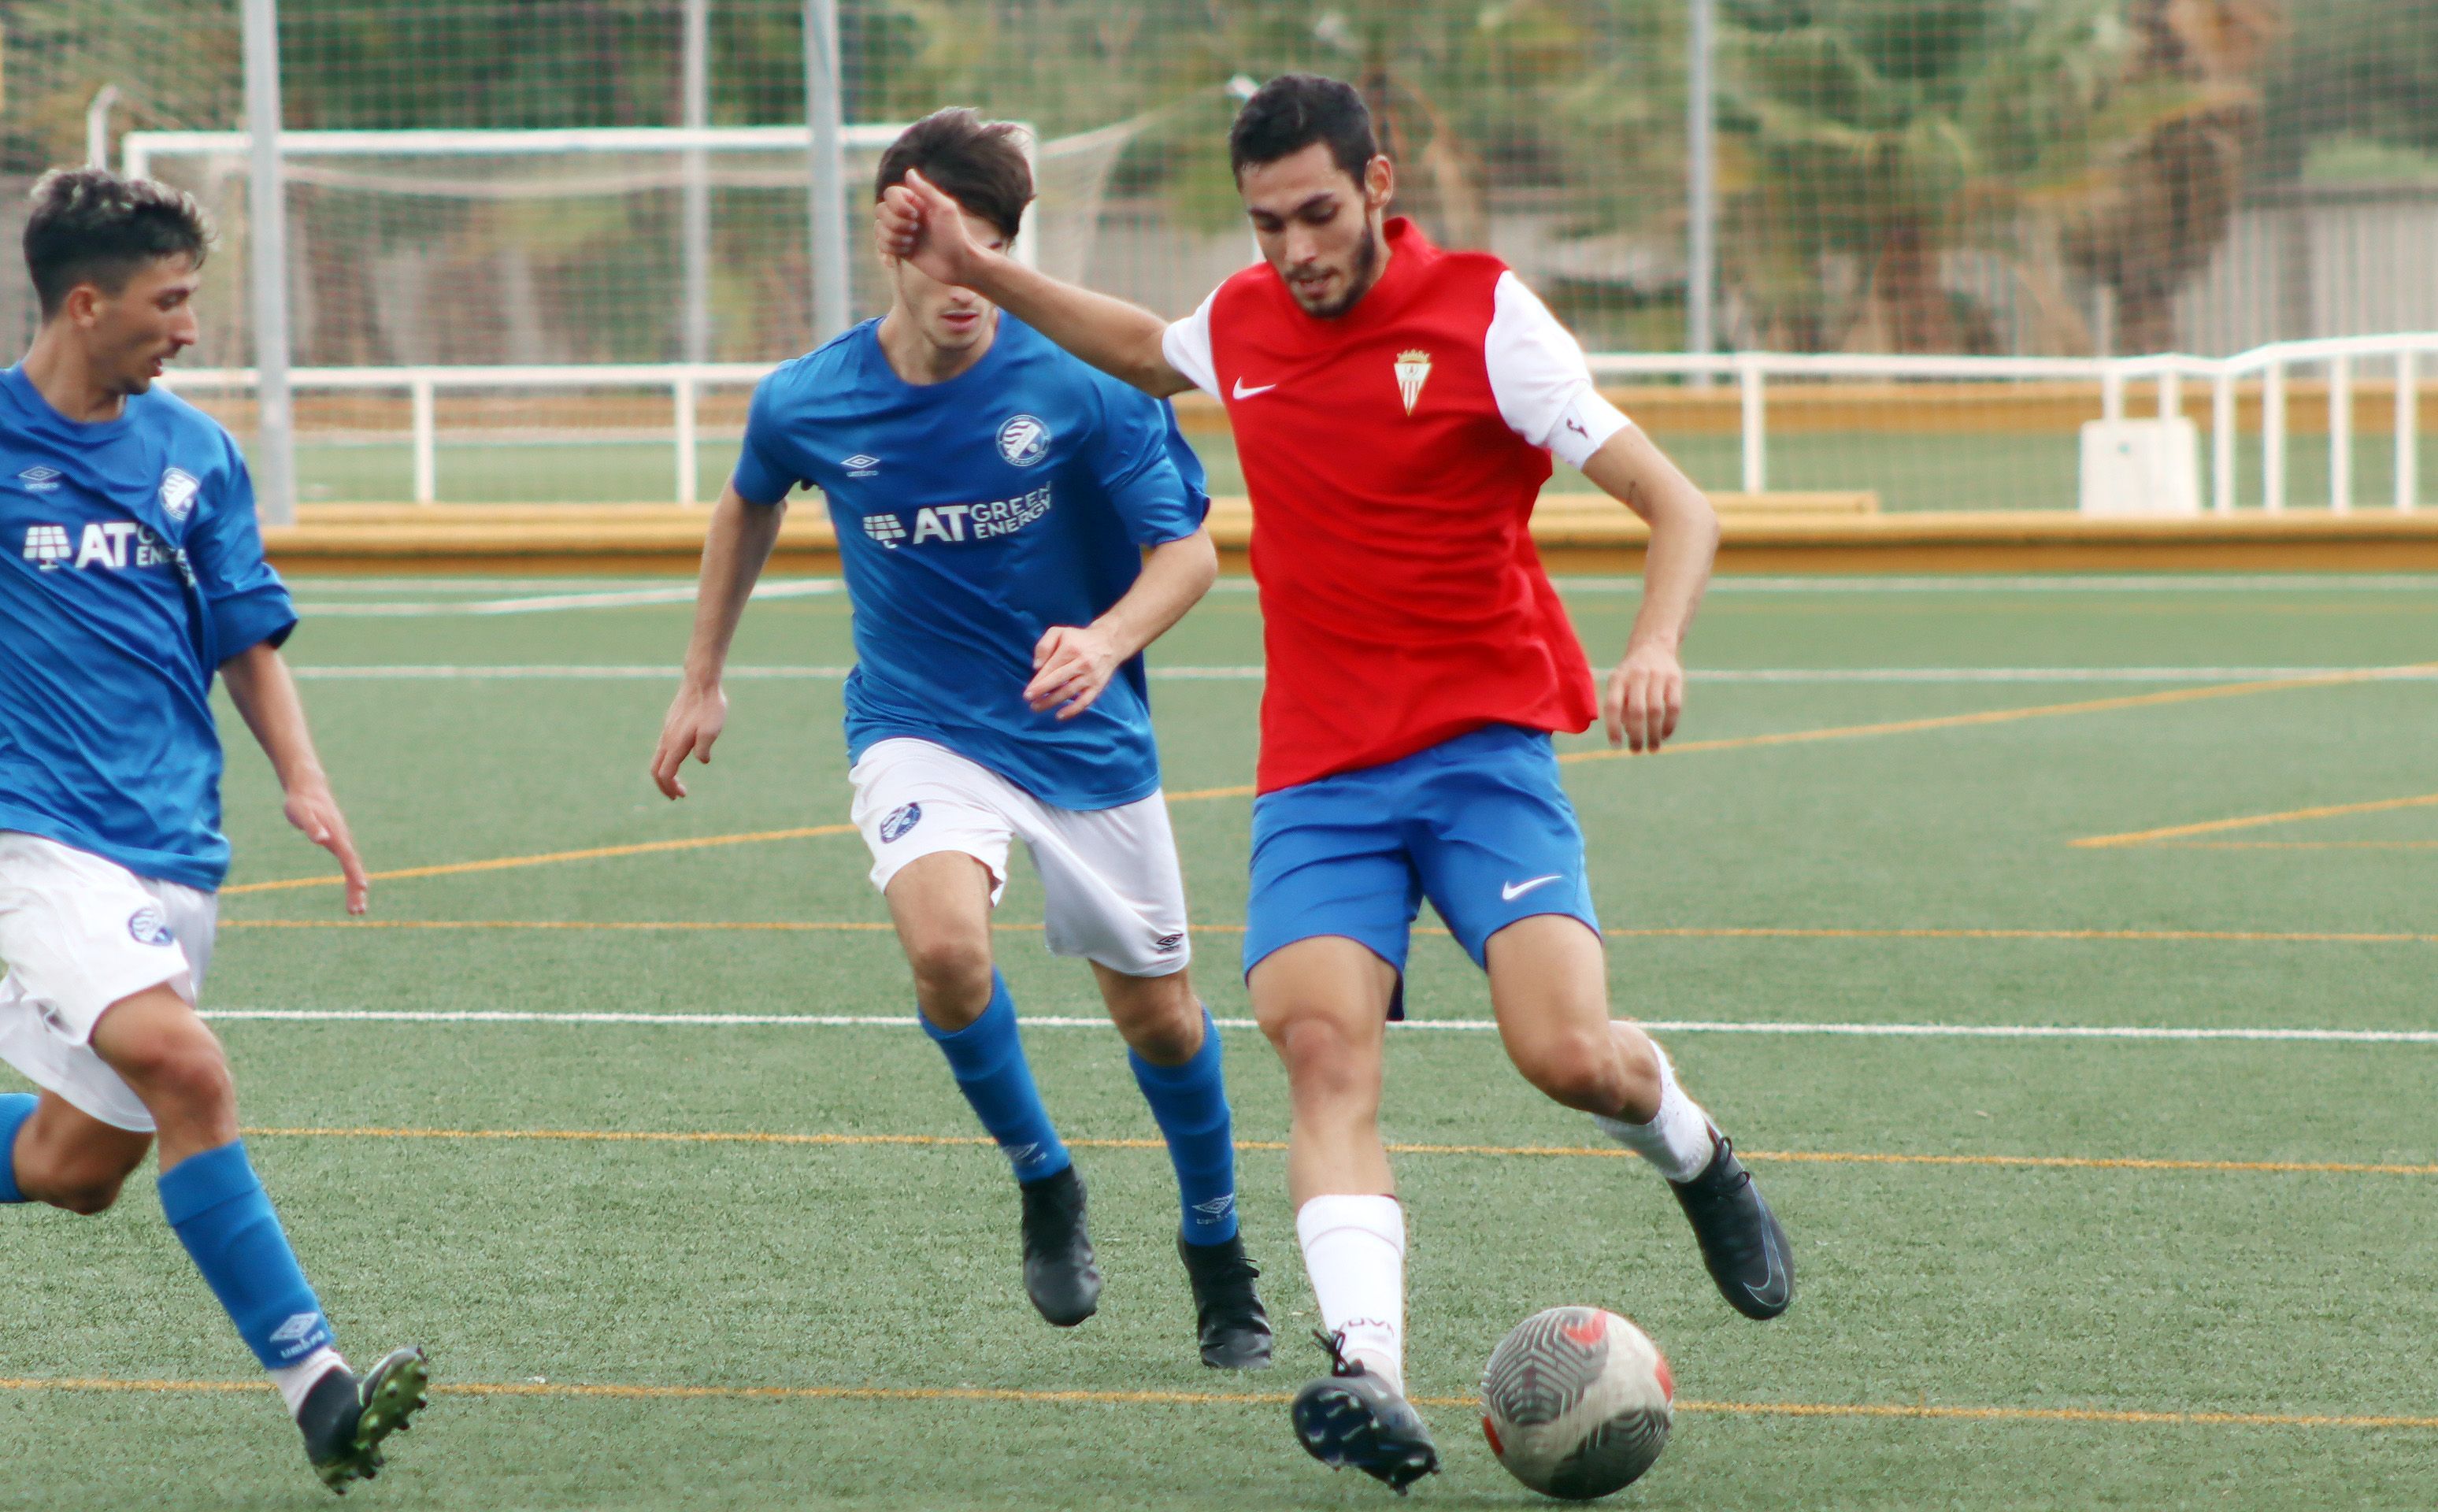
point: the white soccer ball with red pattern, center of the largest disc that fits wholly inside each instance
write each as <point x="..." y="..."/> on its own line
<point x="1576" y="1402"/>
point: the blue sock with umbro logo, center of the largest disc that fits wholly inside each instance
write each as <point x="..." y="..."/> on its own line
<point x="987" y="1059"/>
<point x="222" y="1214"/>
<point x="1189" y="1105"/>
<point x="15" y="1108"/>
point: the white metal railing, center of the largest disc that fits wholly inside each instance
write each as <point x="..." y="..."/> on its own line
<point x="2339" y="356"/>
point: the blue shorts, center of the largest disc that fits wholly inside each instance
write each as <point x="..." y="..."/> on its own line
<point x="1479" y="825"/>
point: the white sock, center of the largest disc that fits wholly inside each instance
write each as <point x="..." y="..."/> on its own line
<point x="1677" y="1138"/>
<point x="1354" y="1251"/>
<point x="297" y="1382"/>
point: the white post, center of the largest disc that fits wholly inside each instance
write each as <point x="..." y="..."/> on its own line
<point x="832" y="309"/>
<point x="97" y="127"/>
<point x="427" y="443"/>
<point x="2408" y="439"/>
<point x="696" y="251"/>
<point x="2222" y="441"/>
<point x="2273" y="439"/>
<point x="2112" y="392"/>
<point x="683" y="391"/>
<point x="2171" y="395"/>
<point x="274" y="462"/>
<point x="2340" y="435"/>
<point x="1756" y="424"/>
<point x="1701" y="183"/>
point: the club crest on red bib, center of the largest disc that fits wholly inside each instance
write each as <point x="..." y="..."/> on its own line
<point x="1413" y="371"/>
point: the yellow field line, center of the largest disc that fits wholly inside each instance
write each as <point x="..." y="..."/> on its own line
<point x="1796" y="737"/>
<point x="1723" y="932"/>
<point x="623" y="1392"/>
<point x="2296" y="845"/>
<point x="548" y="858"/>
<point x="2003" y="717"/>
<point x="1544" y="1151"/>
<point x="2325" y="811"/>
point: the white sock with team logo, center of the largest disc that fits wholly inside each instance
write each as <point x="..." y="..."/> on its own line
<point x="1677" y="1138"/>
<point x="1354" y="1251"/>
<point x="296" y="1381"/>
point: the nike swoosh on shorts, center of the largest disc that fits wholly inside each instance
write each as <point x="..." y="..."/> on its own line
<point x="1513" y="890"/>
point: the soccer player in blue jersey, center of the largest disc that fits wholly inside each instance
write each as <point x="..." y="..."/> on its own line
<point x="131" y="570"/>
<point x="1015" y="528"/>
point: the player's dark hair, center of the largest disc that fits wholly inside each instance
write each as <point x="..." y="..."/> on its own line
<point x="1292" y="111"/>
<point x="979" y="163"/>
<point x="91" y="226"/>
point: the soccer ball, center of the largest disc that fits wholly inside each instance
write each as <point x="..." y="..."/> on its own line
<point x="1576" y="1402"/>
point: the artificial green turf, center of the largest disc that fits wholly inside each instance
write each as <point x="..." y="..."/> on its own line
<point x="887" y="1265"/>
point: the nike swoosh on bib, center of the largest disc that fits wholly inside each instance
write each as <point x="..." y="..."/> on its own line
<point x="1244" y="393"/>
<point x="1516" y="889"/>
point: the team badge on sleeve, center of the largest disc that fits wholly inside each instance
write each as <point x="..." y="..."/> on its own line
<point x="178" y="489"/>
<point x="1413" y="371"/>
<point x="1023" y="441"/>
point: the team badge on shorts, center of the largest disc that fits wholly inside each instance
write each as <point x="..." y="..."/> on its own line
<point x="897" y="824"/>
<point x="1023" y="441"/>
<point x="148" y="928"/>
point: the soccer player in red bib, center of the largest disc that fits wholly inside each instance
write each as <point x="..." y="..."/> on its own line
<point x="1395" y="408"/>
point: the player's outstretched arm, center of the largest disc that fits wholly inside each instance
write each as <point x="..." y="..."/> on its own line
<point x="1646" y="693"/>
<point x="1074" y="662"/>
<point x="733" y="552"/>
<point x="265" y="695"/>
<point x="922" y="225"/>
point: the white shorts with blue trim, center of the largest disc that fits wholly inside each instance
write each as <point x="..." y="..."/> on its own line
<point x="1110" y="888"/>
<point x="78" y="933"/>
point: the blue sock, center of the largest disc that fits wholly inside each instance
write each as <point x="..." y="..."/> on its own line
<point x="15" y="1108"/>
<point x="987" y="1058"/>
<point x="1190" y="1104"/>
<point x="223" y="1217"/>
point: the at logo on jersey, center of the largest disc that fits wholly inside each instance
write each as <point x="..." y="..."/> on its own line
<point x="885" y="529"/>
<point x="1023" y="441"/>
<point x="39" y="479"/>
<point x="178" y="489"/>
<point x="1413" y="371"/>
<point x="47" y="546"/>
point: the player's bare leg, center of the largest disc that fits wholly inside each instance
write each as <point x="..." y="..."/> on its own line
<point x="1324" y="1005"/>
<point x="176" y="1068"/>
<point x="941" y="904"/>
<point x="72" y="1160"/>
<point x="1548" y="987"/>
<point x="1176" y="1057"/>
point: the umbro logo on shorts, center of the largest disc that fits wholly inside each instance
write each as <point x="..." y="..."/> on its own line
<point x="1167" y="943"/>
<point x="898" y="823"/>
<point x="148" y="928"/>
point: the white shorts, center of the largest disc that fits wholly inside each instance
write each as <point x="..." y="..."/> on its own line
<point x="77" y="934"/>
<point x="1112" y="891"/>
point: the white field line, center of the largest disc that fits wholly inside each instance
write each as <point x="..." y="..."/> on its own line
<point x="553" y="602"/>
<point x="1925" y="676"/>
<point x="1969" y="1031"/>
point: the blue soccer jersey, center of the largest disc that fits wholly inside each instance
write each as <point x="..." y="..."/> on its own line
<point x="973" y="516"/>
<point x="130" y="568"/>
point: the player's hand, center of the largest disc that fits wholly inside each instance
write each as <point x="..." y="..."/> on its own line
<point x="312" y="809"/>
<point x="697" y="716"/>
<point x="1644" y="696"/>
<point x="917" y="222"/>
<point x="1070" y="667"/>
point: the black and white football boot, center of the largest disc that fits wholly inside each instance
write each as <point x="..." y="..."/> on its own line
<point x="1059" y="1273"/>
<point x="1742" y="1243"/>
<point x="1233" y="1327"/>
<point x="345" y="1416"/>
<point x="1351" y="1416"/>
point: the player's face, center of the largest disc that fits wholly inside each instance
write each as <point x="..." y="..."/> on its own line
<point x="130" y="336"/>
<point x="948" y="317"/>
<point x="1318" y="225"/>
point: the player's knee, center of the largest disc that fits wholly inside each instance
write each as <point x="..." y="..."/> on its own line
<point x="79" y="1180"/>
<point x="1325" y="1064"/>
<point x="87" y="1197"/>
<point x="1579" y="1070"/>
<point x="952" y="976"/>
<point x="182" y="1076"/>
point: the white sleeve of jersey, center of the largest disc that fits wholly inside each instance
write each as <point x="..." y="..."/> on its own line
<point x="1186" y="347"/>
<point x="1537" y="373"/>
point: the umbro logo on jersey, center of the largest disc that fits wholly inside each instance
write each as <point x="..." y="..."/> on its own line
<point x="1023" y="440"/>
<point x="47" y="546"/>
<point x="1413" y="371"/>
<point x="885" y="529"/>
<point x="1243" y="392"/>
<point x="178" y="490"/>
<point x="39" y="479"/>
<point x="860" y="465"/>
